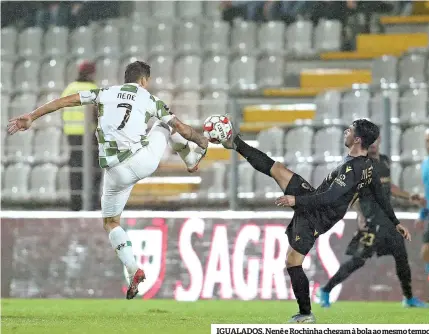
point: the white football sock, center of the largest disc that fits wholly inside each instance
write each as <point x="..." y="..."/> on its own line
<point x="180" y="145"/>
<point x="123" y="248"/>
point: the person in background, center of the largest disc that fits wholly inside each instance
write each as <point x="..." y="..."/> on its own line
<point x="74" y="128"/>
<point x="424" y="212"/>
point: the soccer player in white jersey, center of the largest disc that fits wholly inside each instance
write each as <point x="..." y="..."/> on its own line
<point x="126" y="152"/>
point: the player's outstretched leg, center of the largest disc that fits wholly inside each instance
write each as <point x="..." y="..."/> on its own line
<point x="259" y="160"/>
<point x="345" y="270"/>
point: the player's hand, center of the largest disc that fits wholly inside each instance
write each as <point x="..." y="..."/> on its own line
<point x="419" y="224"/>
<point x="362" y="224"/>
<point x="404" y="231"/>
<point x="286" y="200"/>
<point x="20" y="123"/>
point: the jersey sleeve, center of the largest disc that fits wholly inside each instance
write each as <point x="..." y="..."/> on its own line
<point x="159" y="109"/>
<point x="89" y="96"/>
<point x="345" y="180"/>
<point x="381" y="198"/>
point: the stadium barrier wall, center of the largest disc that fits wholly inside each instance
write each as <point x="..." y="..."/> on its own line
<point x="186" y="256"/>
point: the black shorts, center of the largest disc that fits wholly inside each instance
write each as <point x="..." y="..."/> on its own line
<point x="379" y="239"/>
<point x="300" y="231"/>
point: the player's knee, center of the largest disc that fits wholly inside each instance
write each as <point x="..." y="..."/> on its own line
<point x="425" y="252"/>
<point x="294" y="258"/>
<point x="110" y="223"/>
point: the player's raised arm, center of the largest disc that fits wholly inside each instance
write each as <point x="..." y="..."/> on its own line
<point x="23" y="122"/>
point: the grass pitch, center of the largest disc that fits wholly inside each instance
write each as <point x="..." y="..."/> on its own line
<point x="70" y="316"/>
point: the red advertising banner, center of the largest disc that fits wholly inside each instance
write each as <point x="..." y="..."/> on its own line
<point x="186" y="256"/>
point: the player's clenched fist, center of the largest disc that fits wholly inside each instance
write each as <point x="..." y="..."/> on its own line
<point x="404" y="231"/>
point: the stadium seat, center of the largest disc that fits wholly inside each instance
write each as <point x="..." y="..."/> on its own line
<point x="188" y="38"/>
<point x="107" y="41"/>
<point x="384" y="70"/>
<point x="164" y="10"/>
<point x="43" y="184"/>
<point x="215" y="73"/>
<point x="242" y="72"/>
<point x="161" y="39"/>
<point x="266" y="188"/>
<point x="15" y="187"/>
<point x="47" y="146"/>
<point x="5" y="102"/>
<point x="213" y="103"/>
<point x="216" y="37"/>
<point x="217" y="189"/>
<point x="135" y="41"/>
<point x="412" y="68"/>
<point x="63" y="184"/>
<point x="161" y="72"/>
<point x="299" y="36"/>
<point x="166" y="97"/>
<point x="19" y="147"/>
<point x="26" y="76"/>
<point x="190" y="10"/>
<point x="271" y="142"/>
<point x="303" y="169"/>
<point x="52" y="75"/>
<point x="271" y="38"/>
<point x="412" y="179"/>
<point x="327" y="144"/>
<point x="7" y="69"/>
<point x="50" y="120"/>
<point x="378" y="107"/>
<point x="413" y="105"/>
<point x="298" y="144"/>
<point x="243" y="38"/>
<point x="320" y="172"/>
<point x="396" y="171"/>
<point x="328" y="105"/>
<point x="107" y="69"/>
<point x="30" y="43"/>
<point x="245" y="180"/>
<point x="9" y="36"/>
<point x="327" y="36"/>
<point x="81" y="42"/>
<point x="56" y="42"/>
<point x="269" y="71"/>
<point x="187" y="73"/>
<point x="212" y="10"/>
<point x="186" y="106"/>
<point x="141" y="11"/>
<point x="22" y="103"/>
<point x="354" y="105"/>
<point x="413" y="144"/>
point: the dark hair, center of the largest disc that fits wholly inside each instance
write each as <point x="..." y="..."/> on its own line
<point x="367" y="131"/>
<point x="135" y="71"/>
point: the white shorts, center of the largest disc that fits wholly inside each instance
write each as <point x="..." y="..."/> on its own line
<point x="120" y="179"/>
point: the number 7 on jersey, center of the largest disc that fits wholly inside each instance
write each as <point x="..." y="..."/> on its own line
<point x="128" y="108"/>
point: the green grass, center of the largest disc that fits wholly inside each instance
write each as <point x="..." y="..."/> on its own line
<point x="165" y="316"/>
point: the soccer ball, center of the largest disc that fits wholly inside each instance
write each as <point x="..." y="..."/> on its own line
<point x="217" y="129"/>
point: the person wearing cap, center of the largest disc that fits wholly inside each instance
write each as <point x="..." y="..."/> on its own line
<point x="74" y="127"/>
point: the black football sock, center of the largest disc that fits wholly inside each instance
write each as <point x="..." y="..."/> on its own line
<point x="259" y="160"/>
<point x="301" y="288"/>
<point x="345" y="270"/>
<point x="404" y="274"/>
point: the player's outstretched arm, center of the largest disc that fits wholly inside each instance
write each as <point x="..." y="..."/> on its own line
<point x="188" y="133"/>
<point x="23" y="122"/>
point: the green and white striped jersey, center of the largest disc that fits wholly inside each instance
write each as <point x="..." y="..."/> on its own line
<point x="123" y="115"/>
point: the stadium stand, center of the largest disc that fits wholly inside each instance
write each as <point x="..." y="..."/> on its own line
<point x="301" y="70"/>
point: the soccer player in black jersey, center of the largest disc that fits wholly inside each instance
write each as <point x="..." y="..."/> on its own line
<point x="376" y="234"/>
<point x="317" y="210"/>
